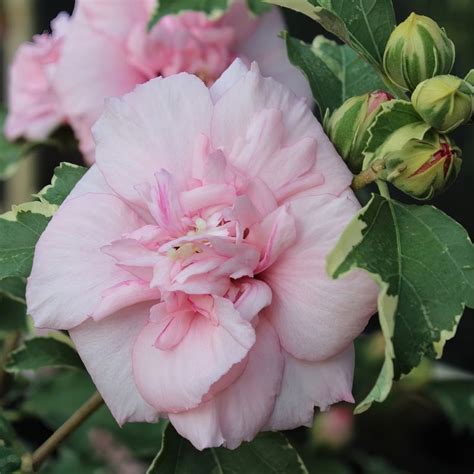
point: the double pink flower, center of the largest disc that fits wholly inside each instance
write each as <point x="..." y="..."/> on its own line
<point x="104" y="50"/>
<point x="189" y="263"/>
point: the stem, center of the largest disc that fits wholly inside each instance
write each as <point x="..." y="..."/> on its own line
<point x="369" y="175"/>
<point x="9" y="345"/>
<point x="383" y="189"/>
<point x="66" y="429"/>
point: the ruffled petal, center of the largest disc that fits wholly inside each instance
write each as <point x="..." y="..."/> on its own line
<point x="309" y="384"/>
<point x="106" y="350"/>
<point x="137" y="135"/>
<point x="315" y="316"/>
<point x="179" y="379"/>
<point x="252" y="96"/>
<point x="239" y="412"/>
<point x="70" y="272"/>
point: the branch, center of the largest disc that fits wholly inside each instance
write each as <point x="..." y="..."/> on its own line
<point x="66" y="429"/>
<point x="369" y="175"/>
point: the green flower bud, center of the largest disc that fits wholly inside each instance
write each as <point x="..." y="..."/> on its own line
<point x="444" y="102"/>
<point x="418" y="49"/>
<point x="423" y="168"/>
<point x="347" y="127"/>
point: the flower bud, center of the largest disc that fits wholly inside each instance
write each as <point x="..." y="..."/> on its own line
<point x="418" y="49"/>
<point x="423" y="168"/>
<point x="347" y="127"/>
<point x="444" y="102"/>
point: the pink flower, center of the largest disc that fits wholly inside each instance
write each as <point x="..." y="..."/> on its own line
<point x="34" y="106"/>
<point x="189" y="263"/>
<point x="109" y="51"/>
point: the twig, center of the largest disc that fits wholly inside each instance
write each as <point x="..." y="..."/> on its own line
<point x="66" y="429"/>
<point x="371" y="174"/>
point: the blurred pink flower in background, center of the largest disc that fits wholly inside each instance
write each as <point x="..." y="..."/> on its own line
<point x="107" y="51"/>
<point x="334" y="428"/>
<point x="191" y="260"/>
<point x="34" y="106"/>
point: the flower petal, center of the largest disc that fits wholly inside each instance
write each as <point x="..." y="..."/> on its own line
<point x="239" y="412"/>
<point x="179" y="379"/>
<point x="137" y="135"/>
<point x="106" y="350"/>
<point x="84" y="79"/>
<point x="309" y="384"/>
<point x="70" y="272"/>
<point x="267" y="48"/>
<point x="244" y="102"/>
<point x="314" y="315"/>
<point x="123" y="295"/>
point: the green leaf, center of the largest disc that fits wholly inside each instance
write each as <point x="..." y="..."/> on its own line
<point x="363" y="24"/>
<point x="12" y="315"/>
<point x="13" y="288"/>
<point x="7" y="433"/>
<point x="268" y="453"/>
<point x="257" y="7"/>
<point x="213" y="8"/>
<point x="423" y="262"/>
<point x="20" y="229"/>
<point x="335" y="72"/>
<point x="456" y="398"/>
<point x="10" y="153"/>
<point x="43" y="352"/>
<point x="71" y="462"/>
<point x="470" y="77"/>
<point x="66" y="176"/>
<point x="9" y="460"/>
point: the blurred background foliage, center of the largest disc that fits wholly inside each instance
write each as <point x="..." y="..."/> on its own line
<point x="426" y="425"/>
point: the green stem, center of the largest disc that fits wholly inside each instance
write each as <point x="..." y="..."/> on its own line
<point x="369" y="175"/>
<point x="51" y="444"/>
<point x="383" y="189"/>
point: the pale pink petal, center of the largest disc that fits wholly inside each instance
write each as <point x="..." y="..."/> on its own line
<point x="115" y="18"/>
<point x="255" y="296"/>
<point x="231" y="75"/>
<point x="137" y="134"/>
<point x="70" y="272"/>
<point x="123" y="295"/>
<point x="239" y="412"/>
<point x="251" y="95"/>
<point x="179" y="379"/>
<point x="91" y="68"/>
<point x="106" y="350"/>
<point x="309" y="384"/>
<point x="274" y="234"/>
<point x="92" y="182"/>
<point x="306" y="385"/>
<point x="267" y="48"/>
<point x="315" y="316"/>
<point x="175" y="326"/>
<point x="34" y="108"/>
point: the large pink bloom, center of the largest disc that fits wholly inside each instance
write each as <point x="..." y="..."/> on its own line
<point x="33" y="103"/>
<point x="189" y="263"/>
<point x="109" y="51"/>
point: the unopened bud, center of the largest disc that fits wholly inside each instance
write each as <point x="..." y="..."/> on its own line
<point x="418" y="49"/>
<point x="423" y="168"/>
<point x="348" y="125"/>
<point x="444" y="102"/>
